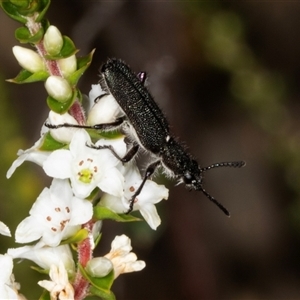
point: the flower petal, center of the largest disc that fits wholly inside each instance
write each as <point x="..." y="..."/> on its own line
<point x="4" y="230"/>
<point x="58" y="164"/>
<point x="32" y="154"/>
<point x="46" y="256"/>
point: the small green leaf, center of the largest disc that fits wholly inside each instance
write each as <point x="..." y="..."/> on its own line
<point x="82" y="64"/>
<point x="20" y="3"/>
<point x="92" y="196"/>
<point x="32" y="7"/>
<point x="44" y="5"/>
<point x="50" y="144"/>
<point x="107" y="295"/>
<point x="100" y="286"/>
<point x="12" y="11"/>
<point x="79" y="96"/>
<point x="84" y="60"/>
<point x="60" y="107"/>
<point x="103" y="213"/>
<point x="17" y="9"/>
<point x="98" y="239"/>
<point x="27" y="77"/>
<point x="80" y="235"/>
<point x="45" y="295"/>
<point x="40" y="270"/>
<point x="109" y="135"/>
<point x="67" y="49"/>
<point x="24" y="36"/>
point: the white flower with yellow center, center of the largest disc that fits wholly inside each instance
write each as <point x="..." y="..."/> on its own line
<point x="87" y="168"/>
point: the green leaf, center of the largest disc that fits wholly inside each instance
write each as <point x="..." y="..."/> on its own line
<point x="27" y="77"/>
<point x="80" y="235"/>
<point x="82" y="64"/>
<point x="40" y="270"/>
<point x="44" y="5"/>
<point x="92" y="196"/>
<point x="98" y="239"/>
<point x="103" y="213"/>
<point x="107" y="295"/>
<point x="100" y="286"/>
<point x="109" y="135"/>
<point x="84" y="60"/>
<point x="67" y="49"/>
<point x="20" y="9"/>
<point x="12" y="11"/>
<point x="60" y="107"/>
<point x="32" y="7"/>
<point x="79" y="96"/>
<point x="20" y="3"/>
<point x="50" y="144"/>
<point x="24" y="36"/>
<point x="45" y="295"/>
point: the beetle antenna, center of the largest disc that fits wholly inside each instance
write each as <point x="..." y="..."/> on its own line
<point x="212" y="199"/>
<point x="232" y="164"/>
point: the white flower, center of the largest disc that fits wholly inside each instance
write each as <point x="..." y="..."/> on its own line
<point x="53" y="40"/>
<point x="58" y="88"/>
<point x="8" y="286"/>
<point x="55" y="215"/>
<point x="62" y="134"/>
<point x="123" y="260"/>
<point x="60" y="287"/>
<point x="95" y="92"/>
<point x="46" y="256"/>
<point x="28" y="59"/>
<point x="87" y="168"/>
<point x="104" y="110"/>
<point x="118" y="145"/>
<point x="151" y="194"/>
<point x="4" y="230"/>
<point x="99" y="266"/>
<point x="32" y="154"/>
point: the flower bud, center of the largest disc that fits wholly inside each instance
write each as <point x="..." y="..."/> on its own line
<point x="58" y="88"/>
<point x="28" y="59"/>
<point x="106" y="110"/>
<point x="99" y="266"/>
<point x="63" y="134"/>
<point x="53" y="40"/>
<point x="68" y="65"/>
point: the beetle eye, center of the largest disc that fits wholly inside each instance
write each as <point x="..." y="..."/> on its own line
<point x="188" y="178"/>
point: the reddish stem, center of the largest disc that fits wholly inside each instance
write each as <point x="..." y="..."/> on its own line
<point x="77" y="112"/>
<point x="85" y="253"/>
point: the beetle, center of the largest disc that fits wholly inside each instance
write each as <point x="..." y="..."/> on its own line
<point x="147" y="127"/>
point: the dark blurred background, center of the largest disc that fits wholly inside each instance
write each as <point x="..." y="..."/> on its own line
<point x="227" y="75"/>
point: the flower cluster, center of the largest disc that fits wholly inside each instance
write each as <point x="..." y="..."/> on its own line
<point x="89" y="181"/>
